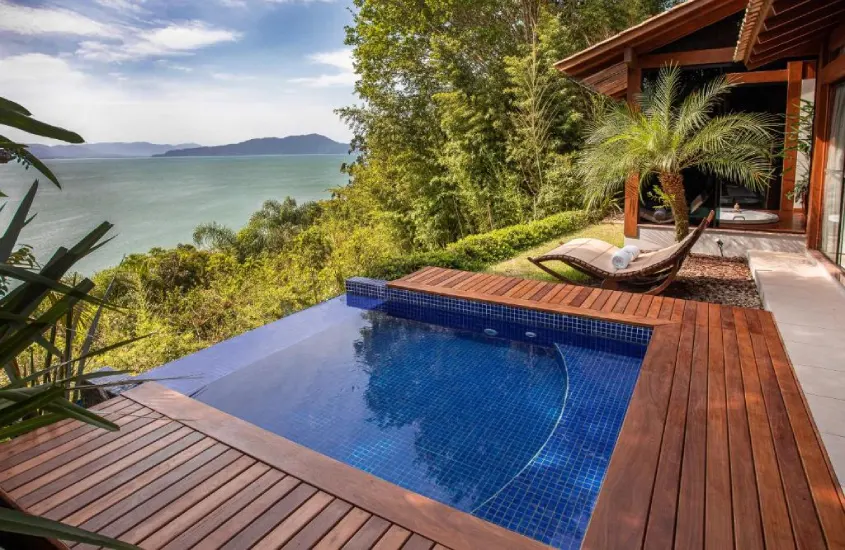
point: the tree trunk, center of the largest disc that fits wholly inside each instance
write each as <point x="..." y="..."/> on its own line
<point x="673" y="186"/>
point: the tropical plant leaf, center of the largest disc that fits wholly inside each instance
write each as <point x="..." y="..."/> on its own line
<point x="13" y="231"/>
<point x="32" y="404"/>
<point x="63" y="407"/>
<point x="26" y="426"/>
<point x="12" y="106"/>
<point x="15" y="119"/>
<point x="36" y="278"/>
<point x="14" y="521"/>
<point x="21" y="151"/>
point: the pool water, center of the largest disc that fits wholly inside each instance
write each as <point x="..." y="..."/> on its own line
<point x="516" y="429"/>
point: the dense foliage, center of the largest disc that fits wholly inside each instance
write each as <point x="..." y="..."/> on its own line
<point x="463" y="127"/>
<point x="666" y="133"/>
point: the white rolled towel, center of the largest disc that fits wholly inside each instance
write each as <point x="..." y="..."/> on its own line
<point x="634" y="250"/>
<point x="621" y="259"/>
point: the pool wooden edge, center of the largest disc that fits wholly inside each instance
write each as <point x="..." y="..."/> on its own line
<point x="440" y="523"/>
<point x="718" y="447"/>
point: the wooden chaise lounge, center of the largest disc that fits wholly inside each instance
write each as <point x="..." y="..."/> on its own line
<point x="653" y="270"/>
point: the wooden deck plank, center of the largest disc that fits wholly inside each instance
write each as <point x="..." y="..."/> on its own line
<point x="258" y="508"/>
<point x="65" y="442"/>
<point x="44" y="465"/>
<point x="368" y="535"/>
<point x="344" y="530"/>
<point x="602" y="300"/>
<point x="777" y="532"/>
<point x="80" y="479"/>
<point x="822" y="479"/>
<point x="416" y="542"/>
<point x="265" y="523"/>
<point x="393" y="539"/>
<point x="140" y="504"/>
<point x="316" y="529"/>
<point x="717" y="515"/>
<point x="747" y="523"/>
<point x="176" y="518"/>
<point x="223" y="513"/>
<point x="52" y="436"/>
<point x="103" y="496"/>
<point x="690" y="529"/>
<point x="300" y="517"/>
<point x="664" y="504"/>
<point x="805" y="523"/>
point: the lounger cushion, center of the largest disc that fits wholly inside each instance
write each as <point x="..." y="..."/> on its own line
<point x="599" y="254"/>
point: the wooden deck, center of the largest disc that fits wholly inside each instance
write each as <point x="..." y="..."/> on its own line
<point x="718" y="450"/>
<point x="180" y="475"/>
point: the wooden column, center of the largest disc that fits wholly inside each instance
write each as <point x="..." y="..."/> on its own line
<point x="821" y="135"/>
<point x="632" y="185"/>
<point x="795" y="73"/>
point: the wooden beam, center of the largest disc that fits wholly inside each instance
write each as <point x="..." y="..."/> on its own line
<point x="821" y="134"/>
<point x="632" y="185"/>
<point x="795" y="71"/>
<point x="758" y="77"/>
<point x="809" y="70"/>
<point x="787" y="38"/>
<point x="834" y="71"/>
<point x="801" y="15"/>
<point x="696" y="57"/>
<point x="805" y="49"/>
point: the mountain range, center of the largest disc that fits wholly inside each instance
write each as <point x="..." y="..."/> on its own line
<point x="104" y="150"/>
<point x="311" y="144"/>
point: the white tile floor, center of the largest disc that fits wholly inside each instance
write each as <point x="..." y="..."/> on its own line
<point x="809" y="307"/>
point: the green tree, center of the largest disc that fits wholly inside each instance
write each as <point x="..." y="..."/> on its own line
<point x="665" y="134"/>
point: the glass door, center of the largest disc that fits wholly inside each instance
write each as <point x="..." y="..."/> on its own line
<point x="833" y="230"/>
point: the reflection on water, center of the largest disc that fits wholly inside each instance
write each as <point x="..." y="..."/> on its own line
<point x="449" y="415"/>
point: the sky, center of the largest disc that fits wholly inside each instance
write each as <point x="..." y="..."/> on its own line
<point x="178" y="71"/>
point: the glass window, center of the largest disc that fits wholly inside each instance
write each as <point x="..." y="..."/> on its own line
<point x="832" y="227"/>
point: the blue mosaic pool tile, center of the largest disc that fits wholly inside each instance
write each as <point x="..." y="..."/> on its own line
<point x="363" y="286"/>
<point x="581" y="325"/>
<point x="552" y="499"/>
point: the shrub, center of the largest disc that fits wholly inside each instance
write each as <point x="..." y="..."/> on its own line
<point x="478" y="251"/>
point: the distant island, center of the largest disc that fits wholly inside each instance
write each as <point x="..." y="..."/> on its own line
<point x="311" y="144"/>
<point x="110" y="150"/>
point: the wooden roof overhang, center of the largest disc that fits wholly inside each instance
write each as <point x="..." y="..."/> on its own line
<point x="603" y="67"/>
<point x="779" y="29"/>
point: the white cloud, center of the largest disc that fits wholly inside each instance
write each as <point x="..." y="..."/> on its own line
<point x="339" y="59"/>
<point x="229" y="77"/>
<point x="174" y="39"/>
<point x="164" y="111"/>
<point x="131" y="6"/>
<point x="36" y="21"/>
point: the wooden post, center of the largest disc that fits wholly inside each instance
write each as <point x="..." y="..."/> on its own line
<point x="632" y="185"/>
<point x="821" y="134"/>
<point x="795" y="73"/>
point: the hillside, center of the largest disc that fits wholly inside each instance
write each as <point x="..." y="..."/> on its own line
<point x="312" y="144"/>
<point x="104" y="150"/>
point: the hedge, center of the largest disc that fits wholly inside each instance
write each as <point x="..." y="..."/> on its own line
<point x="478" y="251"/>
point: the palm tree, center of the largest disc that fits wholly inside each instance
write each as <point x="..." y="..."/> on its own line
<point x="663" y="134"/>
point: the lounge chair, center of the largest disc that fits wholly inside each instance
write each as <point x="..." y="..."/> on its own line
<point x="651" y="269"/>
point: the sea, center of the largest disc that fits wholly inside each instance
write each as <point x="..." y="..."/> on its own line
<point x="157" y="202"/>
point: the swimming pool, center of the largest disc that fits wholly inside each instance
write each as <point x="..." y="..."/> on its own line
<point x="509" y="420"/>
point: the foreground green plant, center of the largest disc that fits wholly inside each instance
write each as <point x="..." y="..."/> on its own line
<point x="40" y="316"/>
<point x="663" y="135"/>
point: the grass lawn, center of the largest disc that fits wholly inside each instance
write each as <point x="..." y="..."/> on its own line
<point x="519" y="266"/>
